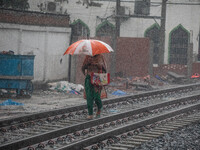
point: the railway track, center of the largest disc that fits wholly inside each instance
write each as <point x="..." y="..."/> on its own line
<point x="68" y="127"/>
<point x="107" y="127"/>
<point x="137" y="137"/>
<point x="165" y="93"/>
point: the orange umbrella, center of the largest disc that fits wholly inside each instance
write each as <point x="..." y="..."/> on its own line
<point x="88" y="47"/>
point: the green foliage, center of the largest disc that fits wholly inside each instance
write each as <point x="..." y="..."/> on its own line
<point x="15" y="4"/>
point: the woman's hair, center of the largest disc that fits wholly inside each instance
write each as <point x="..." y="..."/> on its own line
<point x="96" y="55"/>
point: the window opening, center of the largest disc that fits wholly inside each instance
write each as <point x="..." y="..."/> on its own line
<point x="79" y="29"/>
<point x="153" y="34"/>
<point x="105" y="29"/>
<point x="142" y="7"/>
<point x="178" y="46"/>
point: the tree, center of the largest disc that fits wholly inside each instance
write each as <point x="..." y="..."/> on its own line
<point x="15" y="4"/>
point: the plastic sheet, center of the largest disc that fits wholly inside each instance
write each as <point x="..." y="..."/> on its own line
<point x="10" y="102"/>
<point x="119" y="93"/>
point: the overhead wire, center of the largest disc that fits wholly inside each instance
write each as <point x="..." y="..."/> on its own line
<point x="171" y="3"/>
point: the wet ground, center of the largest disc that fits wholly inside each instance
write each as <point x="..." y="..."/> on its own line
<point x="39" y="101"/>
<point x="43" y="100"/>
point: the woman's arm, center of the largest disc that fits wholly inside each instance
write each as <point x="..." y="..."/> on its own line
<point x="104" y="66"/>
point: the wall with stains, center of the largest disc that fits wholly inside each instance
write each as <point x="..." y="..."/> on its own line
<point x="46" y="39"/>
<point x="132" y="56"/>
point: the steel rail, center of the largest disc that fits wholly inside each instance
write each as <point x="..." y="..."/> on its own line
<point x="40" y="115"/>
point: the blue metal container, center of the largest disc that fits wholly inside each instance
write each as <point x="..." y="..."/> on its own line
<point x="16" y="72"/>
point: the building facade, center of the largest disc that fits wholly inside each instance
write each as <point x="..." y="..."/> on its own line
<point x="97" y="18"/>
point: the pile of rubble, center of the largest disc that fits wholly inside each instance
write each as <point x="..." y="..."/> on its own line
<point x="132" y="85"/>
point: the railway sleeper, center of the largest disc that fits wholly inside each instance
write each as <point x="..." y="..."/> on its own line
<point x="64" y="124"/>
<point x="154" y="132"/>
<point x="161" y="130"/>
<point x="131" y="143"/>
<point x="137" y="140"/>
<point x="123" y="145"/>
<point x="170" y="128"/>
<point x="187" y="121"/>
<point x="117" y="148"/>
<point x="30" y="133"/>
<point x="142" y="137"/>
<point x="150" y="135"/>
<point x="37" y="130"/>
<point x="165" y="129"/>
<point x="177" y="125"/>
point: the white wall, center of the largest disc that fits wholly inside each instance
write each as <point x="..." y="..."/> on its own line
<point x="47" y="44"/>
<point x="186" y="15"/>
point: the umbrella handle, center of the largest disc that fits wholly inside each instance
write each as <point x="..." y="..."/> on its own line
<point x="104" y="63"/>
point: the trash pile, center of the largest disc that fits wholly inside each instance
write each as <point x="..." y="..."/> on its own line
<point x="66" y="87"/>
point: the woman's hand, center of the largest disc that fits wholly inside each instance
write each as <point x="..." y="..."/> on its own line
<point x="86" y="71"/>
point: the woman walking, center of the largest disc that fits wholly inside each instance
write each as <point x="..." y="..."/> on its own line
<point x="94" y="64"/>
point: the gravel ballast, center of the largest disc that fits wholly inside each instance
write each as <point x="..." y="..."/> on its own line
<point x="187" y="138"/>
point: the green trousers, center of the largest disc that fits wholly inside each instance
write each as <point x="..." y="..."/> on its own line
<point x="92" y="95"/>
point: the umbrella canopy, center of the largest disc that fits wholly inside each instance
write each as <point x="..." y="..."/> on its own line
<point x="88" y="47"/>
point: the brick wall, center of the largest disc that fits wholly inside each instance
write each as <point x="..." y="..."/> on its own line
<point x="196" y="67"/>
<point x="132" y="56"/>
<point x="33" y="18"/>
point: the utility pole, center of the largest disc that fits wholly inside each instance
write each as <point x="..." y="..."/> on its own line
<point x="189" y="60"/>
<point x="117" y="20"/>
<point x="116" y="35"/>
<point x="190" y="55"/>
<point x="162" y="33"/>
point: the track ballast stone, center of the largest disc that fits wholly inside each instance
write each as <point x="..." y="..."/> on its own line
<point x="187" y="138"/>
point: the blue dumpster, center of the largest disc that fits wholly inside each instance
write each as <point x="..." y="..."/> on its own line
<point x="16" y="72"/>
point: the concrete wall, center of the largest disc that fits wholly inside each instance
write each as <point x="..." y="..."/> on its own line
<point x="44" y="35"/>
<point x="47" y="43"/>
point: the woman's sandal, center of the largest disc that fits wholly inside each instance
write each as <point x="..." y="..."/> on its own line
<point x="90" y="117"/>
<point x="98" y="114"/>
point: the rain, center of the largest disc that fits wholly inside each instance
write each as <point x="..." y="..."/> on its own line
<point x="148" y="45"/>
